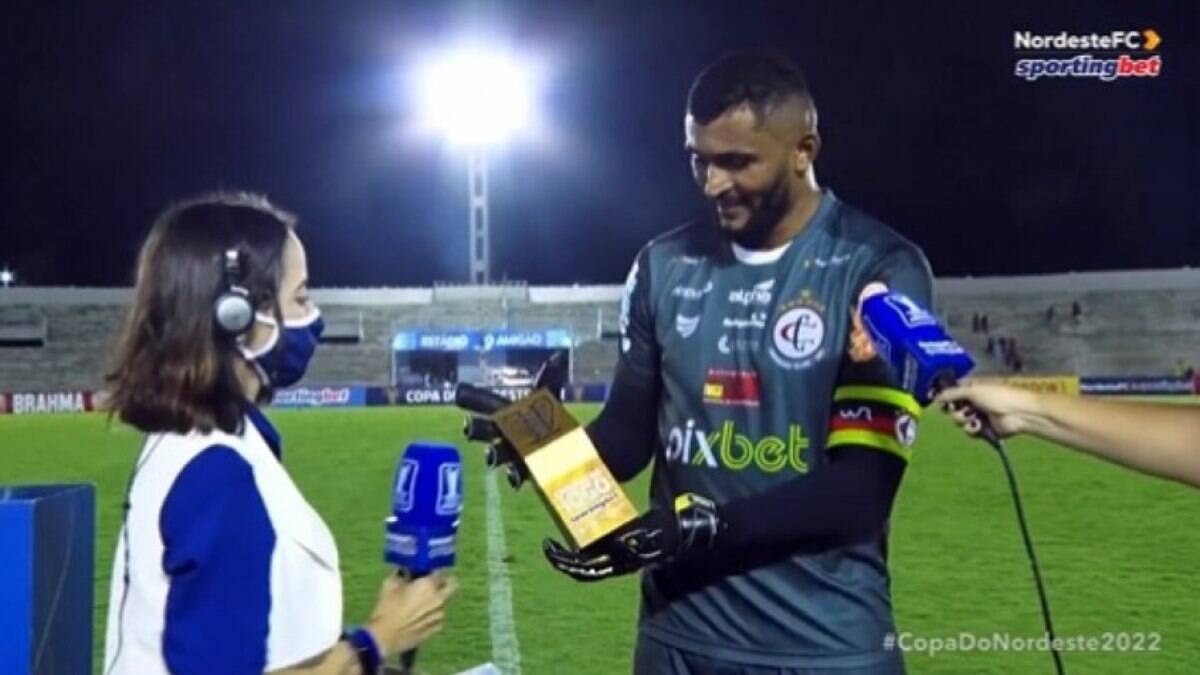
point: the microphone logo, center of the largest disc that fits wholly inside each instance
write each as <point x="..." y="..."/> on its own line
<point x="406" y="482"/>
<point x="449" y="499"/>
<point x="912" y="314"/>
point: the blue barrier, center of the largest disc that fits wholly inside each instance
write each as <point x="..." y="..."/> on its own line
<point x="48" y="534"/>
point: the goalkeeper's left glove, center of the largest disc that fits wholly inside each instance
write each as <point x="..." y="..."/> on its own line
<point x="654" y="538"/>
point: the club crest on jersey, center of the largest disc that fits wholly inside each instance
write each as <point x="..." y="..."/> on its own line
<point x="798" y="333"/>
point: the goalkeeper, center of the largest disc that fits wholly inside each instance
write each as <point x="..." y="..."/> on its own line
<point x="778" y="439"/>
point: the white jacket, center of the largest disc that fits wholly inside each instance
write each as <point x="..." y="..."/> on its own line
<point x="305" y="607"/>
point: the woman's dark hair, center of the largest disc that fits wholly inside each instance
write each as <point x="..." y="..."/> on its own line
<point x="173" y="366"/>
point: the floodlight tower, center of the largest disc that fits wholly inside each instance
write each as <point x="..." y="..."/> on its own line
<point x="477" y="99"/>
<point x="7" y="277"/>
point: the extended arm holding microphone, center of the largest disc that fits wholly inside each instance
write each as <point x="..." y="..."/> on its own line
<point x="929" y="362"/>
<point x="1157" y="439"/>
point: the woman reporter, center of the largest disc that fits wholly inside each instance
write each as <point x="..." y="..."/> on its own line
<point x="1158" y="439"/>
<point x="222" y="566"/>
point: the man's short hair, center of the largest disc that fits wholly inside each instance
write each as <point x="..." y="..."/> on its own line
<point x="759" y="79"/>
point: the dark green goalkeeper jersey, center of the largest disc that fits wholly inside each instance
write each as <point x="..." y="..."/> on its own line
<point x="747" y="348"/>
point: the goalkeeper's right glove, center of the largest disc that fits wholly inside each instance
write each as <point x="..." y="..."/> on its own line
<point x="552" y="376"/>
<point x="499" y="452"/>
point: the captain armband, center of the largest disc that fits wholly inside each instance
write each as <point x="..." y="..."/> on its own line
<point x="876" y="417"/>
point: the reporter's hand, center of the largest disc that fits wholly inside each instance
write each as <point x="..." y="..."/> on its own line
<point x="409" y="612"/>
<point x="655" y="537"/>
<point x="1006" y="406"/>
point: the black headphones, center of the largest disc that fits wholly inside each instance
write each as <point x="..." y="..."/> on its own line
<point x="232" y="310"/>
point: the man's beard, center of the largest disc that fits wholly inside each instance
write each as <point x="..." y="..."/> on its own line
<point x="764" y="217"/>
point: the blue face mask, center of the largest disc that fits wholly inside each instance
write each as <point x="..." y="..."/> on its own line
<point x="282" y="361"/>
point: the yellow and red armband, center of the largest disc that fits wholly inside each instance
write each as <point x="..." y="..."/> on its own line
<point x="876" y="417"/>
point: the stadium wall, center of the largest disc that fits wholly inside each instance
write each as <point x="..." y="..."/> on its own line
<point x="1133" y="323"/>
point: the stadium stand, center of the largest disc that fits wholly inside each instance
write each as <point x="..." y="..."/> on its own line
<point x="1132" y="323"/>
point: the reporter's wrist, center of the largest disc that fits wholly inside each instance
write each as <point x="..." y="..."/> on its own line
<point x="367" y="648"/>
<point x="1029" y="413"/>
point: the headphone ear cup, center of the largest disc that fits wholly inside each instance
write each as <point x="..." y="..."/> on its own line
<point x="233" y="311"/>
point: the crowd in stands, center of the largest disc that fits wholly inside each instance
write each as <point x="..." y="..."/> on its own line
<point x="1004" y="347"/>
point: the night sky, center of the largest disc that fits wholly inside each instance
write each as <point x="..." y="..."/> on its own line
<point x="111" y="110"/>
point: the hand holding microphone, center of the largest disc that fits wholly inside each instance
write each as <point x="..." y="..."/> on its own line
<point x="409" y="612"/>
<point x="421" y="541"/>
<point x="1007" y="408"/>
<point x="925" y="358"/>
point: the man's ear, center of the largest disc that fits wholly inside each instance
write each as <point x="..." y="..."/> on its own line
<point x="804" y="155"/>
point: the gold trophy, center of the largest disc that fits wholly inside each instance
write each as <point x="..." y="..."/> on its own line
<point x="585" y="500"/>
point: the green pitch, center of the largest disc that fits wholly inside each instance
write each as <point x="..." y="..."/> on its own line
<point x="1118" y="550"/>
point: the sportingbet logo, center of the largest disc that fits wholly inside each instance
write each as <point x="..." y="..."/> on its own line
<point x="1085" y="64"/>
<point x="728" y="449"/>
<point x="912" y="314"/>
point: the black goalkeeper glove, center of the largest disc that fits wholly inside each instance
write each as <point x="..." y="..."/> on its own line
<point x="500" y="453"/>
<point x="654" y="538"/>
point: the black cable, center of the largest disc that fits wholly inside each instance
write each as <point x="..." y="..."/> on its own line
<point x="988" y="433"/>
<point x="994" y="441"/>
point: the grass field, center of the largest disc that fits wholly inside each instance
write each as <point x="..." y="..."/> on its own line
<point x="1117" y="550"/>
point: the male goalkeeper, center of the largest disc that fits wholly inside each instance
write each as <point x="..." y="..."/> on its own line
<point x="778" y="437"/>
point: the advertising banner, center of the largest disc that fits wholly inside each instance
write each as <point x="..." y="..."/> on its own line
<point x="46" y="403"/>
<point x="1137" y="386"/>
<point x="320" y="397"/>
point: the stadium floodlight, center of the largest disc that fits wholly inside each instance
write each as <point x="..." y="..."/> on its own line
<point x="7" y="277"/>
<point x="478" y="99"/>
<point x="475" y="97"/>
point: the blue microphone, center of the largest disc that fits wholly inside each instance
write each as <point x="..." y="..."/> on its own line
<point x="921" y="353"/>
<point x="422" y="531"/>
